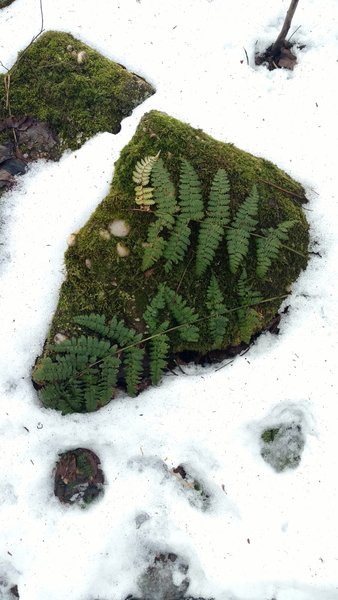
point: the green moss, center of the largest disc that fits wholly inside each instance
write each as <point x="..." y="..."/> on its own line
<point x="99" y="280"/>
<point x="75" y="89"/>
<point x="4" y="3"/>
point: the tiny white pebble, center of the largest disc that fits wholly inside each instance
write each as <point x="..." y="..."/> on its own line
<point x="60" y="337"/>
<point x="119" y="228"/>
<point x="81" y="57"/>
<point x="88" y="263"/>
<point x="71" y="239"/>
<point x="122" y="250"/>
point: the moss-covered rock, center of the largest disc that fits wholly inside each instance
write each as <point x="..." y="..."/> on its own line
<point x="103" y="279"/>
<point x="76" y="90"/>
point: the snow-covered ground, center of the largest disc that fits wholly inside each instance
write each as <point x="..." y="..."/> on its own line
<point x="264" y="535"/>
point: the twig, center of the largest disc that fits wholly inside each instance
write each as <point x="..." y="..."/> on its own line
<point x="295" y="31"/>
<point x="276" y="47"/>
<point x="246" y="54"/>
<point x="281" y="189"/>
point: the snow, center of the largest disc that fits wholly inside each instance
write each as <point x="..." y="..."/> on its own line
<point x="264" y="535"/>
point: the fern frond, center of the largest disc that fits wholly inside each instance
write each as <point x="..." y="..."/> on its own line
<point x="183" y="314"/>
<point x="159" y="347"/>
<point x="268" y="247"/>
<point x="133" y="362"/>
<point x="177" y="245"/>
<point x="109" y="373"/>
<point x="164" y="195"/>
<point x="217" y="218"/>
<point x="190" y="194"/>
<point x="242" y="226"/>
<point x="156" y="305"/>
<point x="217" y="322"/>
<point x="155" y="246"/>
<point x="141" y="176"/>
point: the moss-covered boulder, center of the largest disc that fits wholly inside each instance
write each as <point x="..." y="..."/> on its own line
<point x="199" y="260"/>
<point x="77" y="91"/>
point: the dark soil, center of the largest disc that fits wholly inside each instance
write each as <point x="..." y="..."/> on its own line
<point x="283" y="59"/>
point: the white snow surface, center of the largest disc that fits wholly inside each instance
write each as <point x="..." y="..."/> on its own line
<point x="265" y="535"/>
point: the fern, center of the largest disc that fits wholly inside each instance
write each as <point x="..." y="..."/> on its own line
<point x="268" y="247"/>
<point x="141" y="176"/>
<point x="249" y="318"/>
<point x="164" y="195"/>
<point x="217" y="322"/>
<point x="217" y="218"/>
<point x="166" y="206"/>
<point x="183" y="314"/>
<point x="242" y="226"/>
<point x="191" y="202"/>
<point x="177" y="245"/>
<point x="133" y="362"/>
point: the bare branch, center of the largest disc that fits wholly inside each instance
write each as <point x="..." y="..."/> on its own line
<point x="276" y="47"/>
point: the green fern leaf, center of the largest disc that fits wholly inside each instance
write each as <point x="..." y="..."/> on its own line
<point x="109" y="373"/>
<point x="213" y="227"/>
<point x="243" y="225"/>
<point x="191" y="202"/>
<point x="177" y="245"/>
<point x="218" y="321"/>
<point x="268" y="247"/>
<point x="154" y="308"/>
<point x="183" y="314"/>
<point x="164" y="195"/>
<point x="155" y="246"/>
<point x="159" y="347"/>
<point x="133" y="362"/>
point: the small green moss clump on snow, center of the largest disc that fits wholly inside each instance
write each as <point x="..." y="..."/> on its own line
<point x="79" y="92"/>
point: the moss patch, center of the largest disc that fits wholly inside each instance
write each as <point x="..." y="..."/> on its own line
<point x="73" y="88"/>
<point x="100" y="280"/>
<point x="4" y="3"/>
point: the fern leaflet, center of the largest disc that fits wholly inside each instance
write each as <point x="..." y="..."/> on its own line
<point x="191" y="202"/>
<point x="183" y="314"/>
<point x="268" y="247"/>
<point x="217" y="322"/>
<point x="164" y="195"/>
<point x="141" y="176"/>
<point x="217" y="218"/>
<point x="242" y="226"/>
<point x="177" y="245"/>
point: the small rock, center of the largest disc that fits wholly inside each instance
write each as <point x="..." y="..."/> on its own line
<point x="119" y="228"/>
<point x="71" y="239"/>
<point x="104" y="233"/>
<point x="81" y="57"/>
<point x="88" y="263"/>
<point x="122" y="250"/>
<point x="60" y="337"/>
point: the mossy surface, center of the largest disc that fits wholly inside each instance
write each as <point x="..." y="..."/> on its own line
<point x="77" y="91"/>
<point x="99" y="280"/>
<point x="4" y="3"/>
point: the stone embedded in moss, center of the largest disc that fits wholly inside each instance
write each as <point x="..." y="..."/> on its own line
<point x="282" y="446"/>
<point x="116" y="286"/>
<point x="79" y="92"/>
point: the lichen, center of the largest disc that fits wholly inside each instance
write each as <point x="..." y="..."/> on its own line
<point x="79" y="92"/>
<point x="111" y="279"/>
